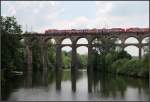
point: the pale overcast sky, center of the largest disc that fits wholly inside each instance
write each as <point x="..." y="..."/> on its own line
<point x="42" y="15"/>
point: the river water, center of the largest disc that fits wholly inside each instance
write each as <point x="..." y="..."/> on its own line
<point x="80" y="86"/>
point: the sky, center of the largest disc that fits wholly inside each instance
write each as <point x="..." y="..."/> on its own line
<point x="37" y="16"/>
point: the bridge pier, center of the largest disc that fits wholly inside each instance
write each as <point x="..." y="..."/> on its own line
<point x="90" y="81"/>
<point x="74" y="57"/>
<point x="89" y="58"/>
<point x="58" y="56"/>
<point x="29" y="58"/>
<point x="140" y="52"/>
<point x="44" y="59"/>
<point x="58" y="75"/>
<point x="90" y="67"/>
<point x="73" y="79"/>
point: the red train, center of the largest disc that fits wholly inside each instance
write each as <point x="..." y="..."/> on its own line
<point x="99" y="30"/>
<point x="50" y="30"/>
<point x="137" y="30"/>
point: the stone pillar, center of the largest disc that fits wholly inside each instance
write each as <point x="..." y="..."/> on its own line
<point x="123" y="43"/>
<point x="58" y="79"/>
<point x="29" y="67"/>
<point x="140" y="52"/>
<point x="29" y="58"/>
<point x="73" y="79"/>
<point x="28" y="79"/>
<point x="44" y="55"/>
<point x="89" y="66"/>
<point x="90" y="81"/>
<point x="74" y="57"/>
<point x="58" y="56"/>
<point x="140" y="48"/>
<point x="44" y="61"/>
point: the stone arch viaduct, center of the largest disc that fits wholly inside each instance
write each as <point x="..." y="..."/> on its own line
<point x="74" y="36"/>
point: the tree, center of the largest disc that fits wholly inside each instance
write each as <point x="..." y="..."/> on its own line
<point x="36" y="56"/>
<point x="100" y="52"/>
<point x="106" y="45"/>
<point x="11" y="54"/>
<point x="66" y="59"/>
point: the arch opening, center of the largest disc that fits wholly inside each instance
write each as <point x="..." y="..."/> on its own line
<point x="22" y="41"/>
<point x="82" y="57"/>
<point x="131" y="40"/>
<point x="82" y="41"/>
<point x="146" y="40"/>
<point x="97" y="41"/>
<point x="95" y="49"/>
<point x="118" y="48"/>
<point x="66" y="41"/>
<point x="116" y="39"/>
<point x="66" y="53"/>
<point x="145" y="50"/>
<point x="52" y="40"/>
<point x="132" y="50"/>
<point x="51" y="53"/>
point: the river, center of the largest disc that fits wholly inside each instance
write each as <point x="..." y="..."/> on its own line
<point x="67" y="86"/>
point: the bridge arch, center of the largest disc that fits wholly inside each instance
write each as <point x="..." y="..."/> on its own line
<point x="66" y="51"/>
<point x="82" y="40"/>
<point x="145" y="40"/>
<point x="66" y="48"/>
<point x="97" y="40"/>
<point x="131" y="40"/>
<point x="34" y="38"/>
<point x="82" y="48"/>
<point x="22" y="41"/>
<point x="51" y="52"/>
<point x="53" y="40"/>
<point x="145" y="50"/>
<point x="118" y="40"/>
<point x="31" y="41"/>
<point x="132" y="50"/>
<point x="66" y="40"/>
<point x="83" y="52"/>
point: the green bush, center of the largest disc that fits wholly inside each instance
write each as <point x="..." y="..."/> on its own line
<point x="145" y="68"/>
<point x="132" y="67"/>
<point x="117" y="66"/>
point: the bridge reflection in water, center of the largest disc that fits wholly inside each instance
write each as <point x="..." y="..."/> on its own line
<point x="99" y="85"/>
<point x="75" y="85"/>
<point x="43" y="79"/>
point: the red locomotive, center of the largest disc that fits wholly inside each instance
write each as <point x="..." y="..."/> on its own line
<point x="117" y="30"/>
<point x="98" y="30"/>
<point x="137" y="30"/>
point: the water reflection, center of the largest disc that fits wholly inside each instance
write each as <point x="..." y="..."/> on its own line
<point x="73" y="79"/>
<point x="28" y="79"/>
<point x="58" y="79"/>
<point x="90" y="80"/>
<point x="76" y="85"/>
<point x="33" y="79"/>
<point x="118" y="86"/>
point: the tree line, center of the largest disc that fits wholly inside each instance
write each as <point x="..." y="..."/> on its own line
<point x="107" y="58"/>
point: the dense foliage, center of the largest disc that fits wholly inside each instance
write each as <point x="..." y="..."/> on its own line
<point x="12" y="54"/>
<point x="66" y="60"/>
<point x="107" y="59"/>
